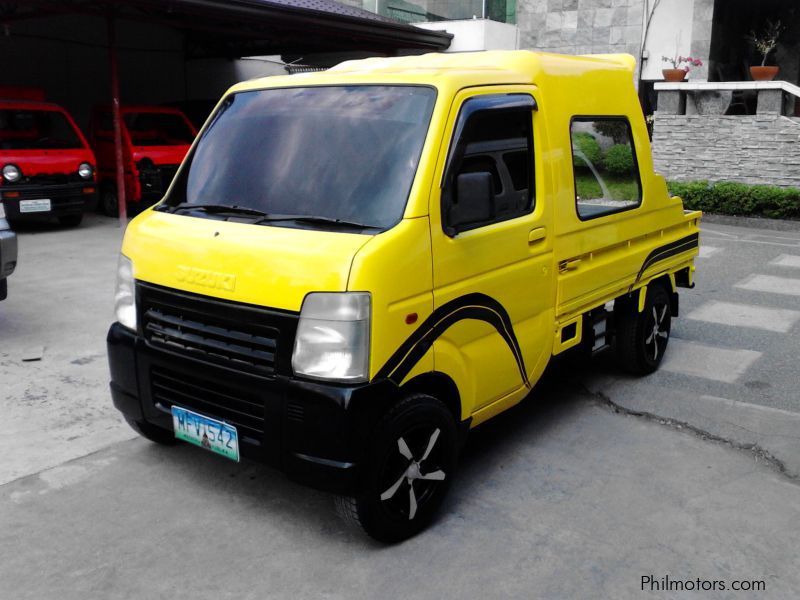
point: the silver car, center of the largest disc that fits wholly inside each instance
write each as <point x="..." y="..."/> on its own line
<point x="8" y="252"/>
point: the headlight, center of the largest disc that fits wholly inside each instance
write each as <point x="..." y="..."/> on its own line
<point x="125" y="298"/>
<point x="11" y="173"/>
<point x="332" y="340"/>
<point x="85" y="170"/>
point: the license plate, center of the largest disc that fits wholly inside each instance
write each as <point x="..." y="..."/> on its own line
<point x="32" y="206"/>
<point x="205" y="432"/>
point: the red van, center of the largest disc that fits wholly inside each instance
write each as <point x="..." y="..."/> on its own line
<point x="48" y="169"/>
<point x="154" y="141"/>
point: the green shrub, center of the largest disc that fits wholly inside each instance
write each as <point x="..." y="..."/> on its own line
<point x="586" y="144"/>
<point x="619" y="160"/>
<point x="730" y="198"/>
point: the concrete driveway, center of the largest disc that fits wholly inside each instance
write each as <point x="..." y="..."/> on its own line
<point x="592" y="484"/>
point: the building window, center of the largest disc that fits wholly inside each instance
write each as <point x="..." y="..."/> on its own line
<point x="604" y="163"/>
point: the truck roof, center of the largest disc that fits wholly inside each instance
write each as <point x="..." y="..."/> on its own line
<point x="17" y="104"/>
<point x="464" y="69"/>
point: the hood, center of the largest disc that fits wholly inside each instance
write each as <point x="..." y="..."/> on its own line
<point x="255" y="264"/>
<point x="47" y="162"/>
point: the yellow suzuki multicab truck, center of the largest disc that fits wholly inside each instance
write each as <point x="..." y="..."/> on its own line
<point x="353" y="268"/>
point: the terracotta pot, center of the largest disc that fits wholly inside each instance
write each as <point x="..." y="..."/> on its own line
<point x="763" y="73"/>
<point x="674" y="74"/>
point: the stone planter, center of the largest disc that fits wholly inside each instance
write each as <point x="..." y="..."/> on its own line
<point x="711" y="102"/>
<point x="763" y="73"/>
<point x="674" y="74"/>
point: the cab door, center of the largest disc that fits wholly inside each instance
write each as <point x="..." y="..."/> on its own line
<point x="491" y="235"/>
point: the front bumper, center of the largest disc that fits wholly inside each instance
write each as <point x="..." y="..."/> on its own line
<point x="65" y="199"/>
<point x="315" y="433"/>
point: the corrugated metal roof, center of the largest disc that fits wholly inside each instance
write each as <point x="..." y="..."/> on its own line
<point x="332" y="7"/>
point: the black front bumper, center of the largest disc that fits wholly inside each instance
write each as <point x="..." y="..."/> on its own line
<point x="315" y="433"/>
<point x="65" y="199"/>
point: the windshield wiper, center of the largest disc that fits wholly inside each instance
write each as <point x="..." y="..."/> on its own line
<point x="215" y="209"/>
<point x="262" y="217"/>
<point x="312" y="219"/>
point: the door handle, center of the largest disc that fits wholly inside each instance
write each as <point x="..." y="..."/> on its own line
<point x="569" y="265"/>
<point x="537" y="235"/>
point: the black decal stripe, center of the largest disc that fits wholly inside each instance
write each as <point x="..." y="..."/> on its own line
<point x="667" y="251"/>
<point x="471" y="306"/>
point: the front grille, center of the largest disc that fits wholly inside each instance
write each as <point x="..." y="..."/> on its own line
<point x="295" y="412"/>
<point x="51" y="179"/>
<point x="237" y="336"/>
<point x="243" y="410"/>
<point x="56" y="193"/>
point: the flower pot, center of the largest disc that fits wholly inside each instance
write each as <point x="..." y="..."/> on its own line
<point x="763" y="73"/>
<point x="674" y="74"/>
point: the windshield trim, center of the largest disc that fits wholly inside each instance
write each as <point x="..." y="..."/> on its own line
<point x="180" y="180"/>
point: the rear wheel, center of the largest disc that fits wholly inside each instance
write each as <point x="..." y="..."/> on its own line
<point x="152" y="433"/>
<point x="411" y="461"/>
<point x="70" y="220"/>
<point x="642" y="337"/>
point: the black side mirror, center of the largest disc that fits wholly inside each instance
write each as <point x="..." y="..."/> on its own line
<point x="473" y="202"/>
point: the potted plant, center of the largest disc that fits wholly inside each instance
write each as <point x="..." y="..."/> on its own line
<point x="765" y="42"/>
<point x="681" y="65"/>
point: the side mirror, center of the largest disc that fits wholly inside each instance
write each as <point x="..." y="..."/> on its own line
<point x="473" y="202"/>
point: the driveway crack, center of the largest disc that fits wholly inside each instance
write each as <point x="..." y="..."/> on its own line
<point x="756" y="451"/>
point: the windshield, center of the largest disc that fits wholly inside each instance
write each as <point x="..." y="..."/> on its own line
<point x="157" y="129"/>
<point x="345" y="153"/>
<point x="26" y="129"/>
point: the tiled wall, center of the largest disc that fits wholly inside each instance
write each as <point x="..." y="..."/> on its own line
<point x="580" y="26"/>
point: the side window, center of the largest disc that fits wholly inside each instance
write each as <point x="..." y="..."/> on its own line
<point x="492" y="176"/>
<point x="604" y="165"/>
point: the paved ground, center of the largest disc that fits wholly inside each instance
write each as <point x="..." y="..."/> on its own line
<point x="570" y="495"/>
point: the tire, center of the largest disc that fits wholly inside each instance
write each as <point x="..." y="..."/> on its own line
<point x="70" y="220"/>
<point x="411" y="461"/>
<point x="109" y="204"/>
<point x="152" y="433"/>
<point x="642" y="337"/>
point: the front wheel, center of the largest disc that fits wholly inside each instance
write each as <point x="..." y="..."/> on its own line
<point x="109" y="205"/>
<point x="642" y="337"/>
<point x="410" y="463"/>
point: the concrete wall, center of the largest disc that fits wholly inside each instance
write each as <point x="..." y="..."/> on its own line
<point x="670" y="34"/>
<point x="210" y="78"/>
<point x="761" y="149"/>
<point x="477" y="34"/>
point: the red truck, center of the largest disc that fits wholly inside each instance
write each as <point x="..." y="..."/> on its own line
<point x="48" y="169"/>
<point x="154" y="141"/>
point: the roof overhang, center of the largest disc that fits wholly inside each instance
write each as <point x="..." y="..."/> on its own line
<point x="235" y="28"/>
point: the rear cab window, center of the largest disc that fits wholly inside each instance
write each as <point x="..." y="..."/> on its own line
<point x="158" y="129"/>
<point x="606" y="173"/>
